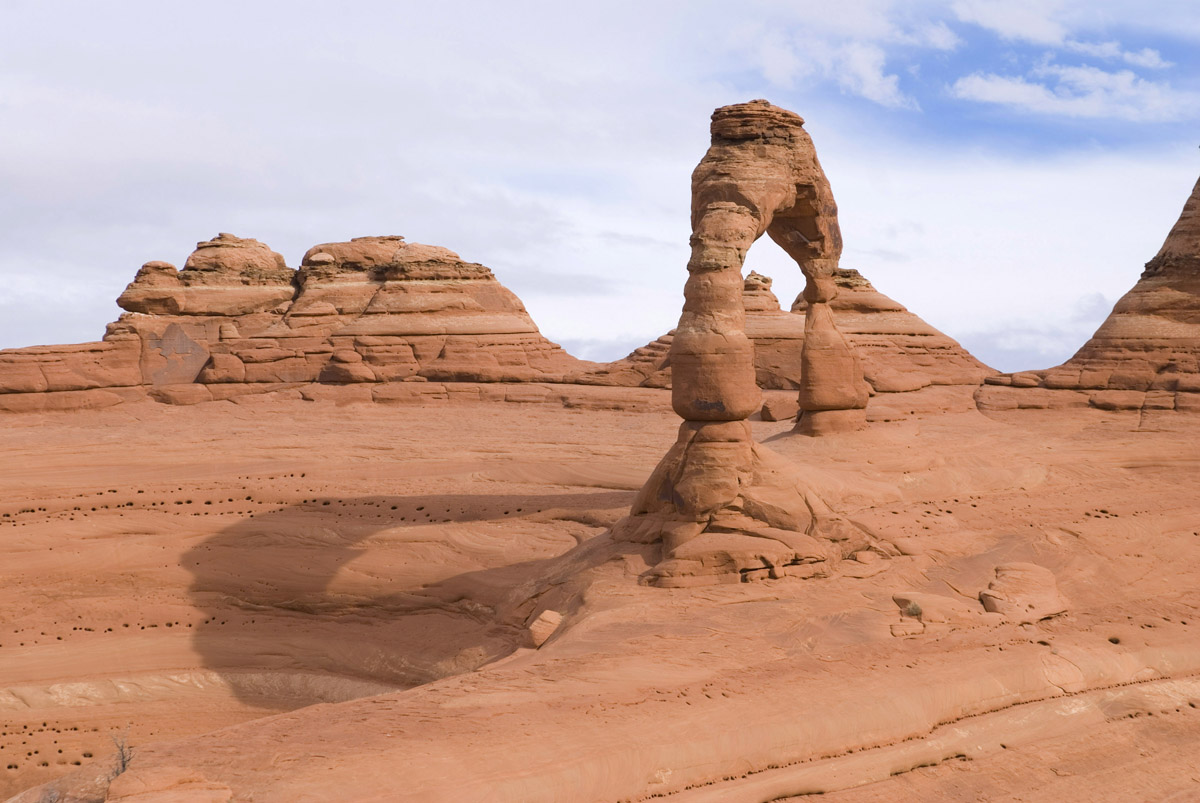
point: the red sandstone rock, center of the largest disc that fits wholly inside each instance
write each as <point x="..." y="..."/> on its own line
<point x="1023" y="592"/>
<point x="375" y="309"/>
<point x="779" y="409"/>
<point x="898" y="351"/>
<point x="227" y="253"/>
<point x="166" y="785"/>
<point x="1149" y="343"/>
<point x="411" y="309"/>
<point x="724" y="508"/>
<point x="293" y="603"/>
<point x="760" y="176"/>
<point x="543" y="627"/>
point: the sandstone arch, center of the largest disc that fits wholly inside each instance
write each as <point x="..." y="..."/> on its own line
<point x="723" y="507"/>
<point x="761" y="176"/>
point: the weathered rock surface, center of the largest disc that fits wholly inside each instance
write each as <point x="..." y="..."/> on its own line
<point x="237" y="320"/>
<point x="377" y="310"/>
<point x="543" y="627"/>
<point x="723" y="508"/>
<point x="760" y="176"/>
<point x="898" y="350"/>
<point x="1023" y="592"/>
<point x="726" y="509"/>
<point x="166" y="785"/>
<point x="1146" y="354"/>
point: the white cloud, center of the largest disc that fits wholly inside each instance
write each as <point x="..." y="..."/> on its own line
<point x="938" y="36"/>
<point x="859" y="69"/>
<point x="779" y="61"/>
<point x="1028" y="20"/>
<point x="1052" y="22"/>
<point x="1112" y="51"/>
<point x="1146" y="57"/>
<point x="1084" y="92"/>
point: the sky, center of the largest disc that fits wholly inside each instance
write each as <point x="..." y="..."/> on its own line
<point x="1003" y="169"/>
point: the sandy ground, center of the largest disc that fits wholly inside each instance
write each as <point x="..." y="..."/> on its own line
<point x="284" y="600"/>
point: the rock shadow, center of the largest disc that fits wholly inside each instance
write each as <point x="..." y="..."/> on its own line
<point x="336" y="598"/>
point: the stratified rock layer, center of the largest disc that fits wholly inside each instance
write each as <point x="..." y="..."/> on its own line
<point x="237" y="320"/>
<point x="1146" y="354"/>
<point x="897" y="349"/>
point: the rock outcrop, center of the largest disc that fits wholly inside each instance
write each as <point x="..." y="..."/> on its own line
<point x="898" y="350"/>
<point x="1146" y="354"/>
<point x="378" y="309"/>
<point x="723" y="507"/>
<point x="236" y="320"/>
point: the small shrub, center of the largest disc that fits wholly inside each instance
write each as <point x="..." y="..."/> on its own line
<point x="124" y="754"/>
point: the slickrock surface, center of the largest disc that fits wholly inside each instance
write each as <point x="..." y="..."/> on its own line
<point x="399" y="550"/>
<point x="1146" y="354"/>
<point x="899" y="351"/>
<point x="236" y="320"/>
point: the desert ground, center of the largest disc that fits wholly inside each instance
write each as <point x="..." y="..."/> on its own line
<point x="271" y="599"/>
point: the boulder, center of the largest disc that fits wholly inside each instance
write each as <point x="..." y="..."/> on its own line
<point x="1023" y="592"/>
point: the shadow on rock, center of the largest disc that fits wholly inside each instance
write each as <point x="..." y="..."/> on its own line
<point x="334" y="599"/>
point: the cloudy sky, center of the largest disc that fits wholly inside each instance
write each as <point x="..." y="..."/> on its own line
<point x="1003" y="168"/>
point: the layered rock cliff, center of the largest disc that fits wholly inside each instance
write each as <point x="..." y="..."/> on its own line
<point x="899" y="351"/>
<point x="375" y="311"/>
<point x="1146" y="354"/>
<point x="236" y="320"/>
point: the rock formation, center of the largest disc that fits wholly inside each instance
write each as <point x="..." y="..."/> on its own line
<point x="1146" y="354"/>
<point x="381" y="309"/>
<point x="237" y="320"/>
<point x="761" y="175"/>
<point x="724" y="507"/>
<point x="898" y="350"/>
<point x="359" y="316"/>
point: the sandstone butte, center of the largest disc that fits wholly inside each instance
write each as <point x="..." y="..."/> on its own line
<point x="548" y="580"/>
<point x="237" y="320"/>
